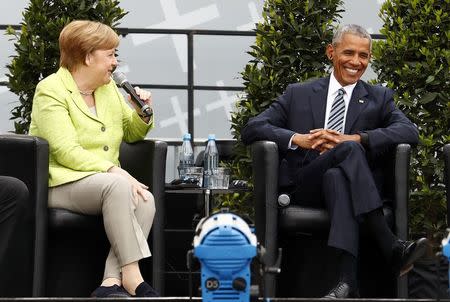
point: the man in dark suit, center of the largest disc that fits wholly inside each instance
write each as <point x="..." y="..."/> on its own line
<point x="15" y="238"/>
<point x="330" y="132"/>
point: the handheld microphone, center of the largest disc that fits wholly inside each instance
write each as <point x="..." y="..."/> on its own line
<point x="284" y="200"/>
<point x="121" y="81"/>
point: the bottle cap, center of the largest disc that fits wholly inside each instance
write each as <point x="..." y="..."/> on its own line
<point x="187" y="136"/>
<point x="211" y="136"/>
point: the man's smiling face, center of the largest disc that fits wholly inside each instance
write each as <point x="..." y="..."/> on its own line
<point x="350" y="58"/>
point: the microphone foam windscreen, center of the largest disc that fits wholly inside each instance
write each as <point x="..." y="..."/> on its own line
<point x="119" y="77"/>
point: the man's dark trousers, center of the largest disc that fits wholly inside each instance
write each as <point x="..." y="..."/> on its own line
<point x="340" y="180"/>
<point x="16" y="238"/>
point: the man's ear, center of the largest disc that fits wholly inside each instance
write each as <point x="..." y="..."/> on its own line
<point x="330" y="51"/>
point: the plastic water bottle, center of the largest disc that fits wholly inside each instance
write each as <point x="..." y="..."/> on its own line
<point x="186" y="156"/>
<point x="210" y="160"/>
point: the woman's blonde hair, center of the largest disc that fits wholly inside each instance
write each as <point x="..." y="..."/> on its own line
<point x="81" y="37"/>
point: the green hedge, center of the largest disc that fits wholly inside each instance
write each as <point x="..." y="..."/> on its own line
<point x="414" y="61"/>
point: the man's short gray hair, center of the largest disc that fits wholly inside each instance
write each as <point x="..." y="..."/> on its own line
<point x="351" y="29"/>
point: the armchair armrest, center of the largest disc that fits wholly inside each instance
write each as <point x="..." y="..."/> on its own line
<point x="26" y="158"/>
<point x="401" y="172"/>
<point x="401" y="192"/>
<point x="146" y="161"/>
<point x="265" y="177"/>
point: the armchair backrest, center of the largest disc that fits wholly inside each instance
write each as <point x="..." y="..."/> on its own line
<point x="26" y="158"/>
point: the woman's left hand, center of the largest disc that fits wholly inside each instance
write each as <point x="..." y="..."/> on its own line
<point x="137" y="187"/>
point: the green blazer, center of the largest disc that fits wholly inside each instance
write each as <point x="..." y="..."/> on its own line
<point x="81" y="143"/>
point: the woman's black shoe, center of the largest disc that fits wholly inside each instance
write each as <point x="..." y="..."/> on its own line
<point x="145" y="290"/>
<point x="114" y="291"/>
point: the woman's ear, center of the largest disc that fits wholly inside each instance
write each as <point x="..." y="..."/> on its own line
<point x="87" y="60"/>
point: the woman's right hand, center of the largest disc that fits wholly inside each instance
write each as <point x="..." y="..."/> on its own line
<point x="145" y="96"/>
<point x="137" y="187"/>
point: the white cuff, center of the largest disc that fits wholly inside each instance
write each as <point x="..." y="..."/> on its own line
<point x="290" y="145"/>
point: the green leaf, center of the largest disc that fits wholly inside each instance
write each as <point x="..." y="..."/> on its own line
<point x="430" y="79"/>
<point x="429" y="97"/>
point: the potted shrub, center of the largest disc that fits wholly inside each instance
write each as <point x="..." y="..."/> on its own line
<point x="414" y="61"/>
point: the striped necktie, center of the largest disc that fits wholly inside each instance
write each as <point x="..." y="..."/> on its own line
<point x="336" y="118"/>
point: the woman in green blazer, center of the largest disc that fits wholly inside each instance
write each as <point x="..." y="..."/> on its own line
<point x="83" y="116"/>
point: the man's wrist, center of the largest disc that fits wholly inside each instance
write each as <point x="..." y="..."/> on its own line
<point x="297" y="139"/>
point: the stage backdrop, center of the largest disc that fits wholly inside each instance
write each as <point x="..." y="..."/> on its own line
<point x="162" y="59"/>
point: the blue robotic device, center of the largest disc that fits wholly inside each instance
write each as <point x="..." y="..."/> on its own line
<point x="225" y="247"/>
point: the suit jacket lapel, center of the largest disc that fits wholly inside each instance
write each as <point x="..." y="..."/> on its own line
<point x="318" y="101"/>
<point x="356" y="105"/>
<point x="71" y="86"/>
<point x="100" y="104"/>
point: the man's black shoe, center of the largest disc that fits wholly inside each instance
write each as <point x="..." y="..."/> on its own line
<point x="342" y="291"/>
<point x="405" y="253"/>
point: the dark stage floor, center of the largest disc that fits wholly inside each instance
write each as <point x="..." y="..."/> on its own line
<point x="187" y="299"/>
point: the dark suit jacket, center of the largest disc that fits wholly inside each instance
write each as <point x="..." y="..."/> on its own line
<point x="302" y="108"/>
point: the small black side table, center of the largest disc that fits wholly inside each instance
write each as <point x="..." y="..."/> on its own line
<point x="207" y="193"/>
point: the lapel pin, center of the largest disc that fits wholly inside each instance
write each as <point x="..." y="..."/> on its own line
<point x="361" y="101"/>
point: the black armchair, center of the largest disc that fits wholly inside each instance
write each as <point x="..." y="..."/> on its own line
<point x="61" y="235"/>
<point x="273" y="222"/>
